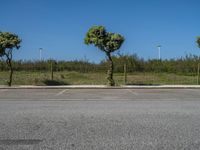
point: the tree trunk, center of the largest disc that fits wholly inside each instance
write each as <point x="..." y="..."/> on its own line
<point x="51" y="70"/>
<point x="125" y="73"/>
<point x="111" y="81"/>
<point x="9" y="63"/>
<point x="198" y="73"/>
<point x="11" y="72"/>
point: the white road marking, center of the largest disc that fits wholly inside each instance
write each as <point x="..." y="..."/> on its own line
<point x="134" y="93"/>
<point x="62" y="92"/>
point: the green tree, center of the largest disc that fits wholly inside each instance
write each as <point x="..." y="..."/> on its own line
<point x="9" y="42"/>
<point x="107" y="42"/>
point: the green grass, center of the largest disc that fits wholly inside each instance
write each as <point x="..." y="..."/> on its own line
<point x="161" y="78"/>
<point x="75" y="78"/>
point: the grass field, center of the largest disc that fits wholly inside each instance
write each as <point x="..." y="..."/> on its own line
<point x="75" y="78"/>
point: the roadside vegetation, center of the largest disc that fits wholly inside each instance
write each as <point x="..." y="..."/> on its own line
<point x="77" y="78"/>
<point x="139" y="71"/>
<point x="187" y="65"/>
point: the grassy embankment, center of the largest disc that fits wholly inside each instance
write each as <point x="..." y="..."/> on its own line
<point x="75" y="78"/>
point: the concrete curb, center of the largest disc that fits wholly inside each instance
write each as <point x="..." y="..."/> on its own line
<point x="104" y="87"/>
<point x="164" y="87"/>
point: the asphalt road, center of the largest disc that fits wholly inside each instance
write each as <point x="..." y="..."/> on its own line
<point x="99" y="119"/>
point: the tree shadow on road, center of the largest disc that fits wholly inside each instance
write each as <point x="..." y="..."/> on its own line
<point x="54" y="82"/>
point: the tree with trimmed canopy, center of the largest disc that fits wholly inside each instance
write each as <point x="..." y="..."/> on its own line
<point x="9" y="42"/>
<point x="106" y="42"/>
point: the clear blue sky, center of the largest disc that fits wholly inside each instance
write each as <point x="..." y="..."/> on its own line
<point x="59" y="26"/>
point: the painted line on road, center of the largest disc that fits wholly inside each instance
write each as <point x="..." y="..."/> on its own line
<point x="62" y="92"/>
<point x="131" y="91"/>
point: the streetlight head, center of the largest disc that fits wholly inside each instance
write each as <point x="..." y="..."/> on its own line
<point x="159" y="46"/>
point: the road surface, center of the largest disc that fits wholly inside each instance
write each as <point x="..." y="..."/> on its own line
<point x="99" y="119"/>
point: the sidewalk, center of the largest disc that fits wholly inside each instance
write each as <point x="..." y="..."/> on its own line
<point x="103" y="87"/>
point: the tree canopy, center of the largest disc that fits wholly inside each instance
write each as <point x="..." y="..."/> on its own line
<point x="105" y="41"/>
<point x="8" y="41"/>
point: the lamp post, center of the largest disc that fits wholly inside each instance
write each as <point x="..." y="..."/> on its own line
<point x="40" y="49"/>
<point x="159" y="47"/>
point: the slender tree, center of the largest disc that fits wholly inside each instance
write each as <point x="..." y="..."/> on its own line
<point x="107" y="42"/>
<point x="9" y="42"/>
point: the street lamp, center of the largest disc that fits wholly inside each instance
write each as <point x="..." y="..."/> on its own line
<point x="159" y="47"/>
<point x="40" y="49"/>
